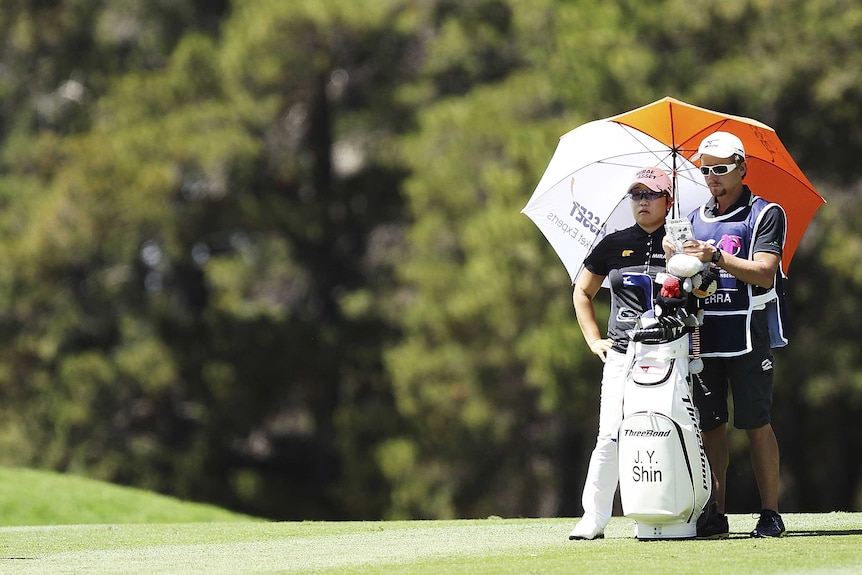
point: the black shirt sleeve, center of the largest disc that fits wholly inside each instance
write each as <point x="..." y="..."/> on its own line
<point x="769" y="235"/>
<point x="597" y="260"/>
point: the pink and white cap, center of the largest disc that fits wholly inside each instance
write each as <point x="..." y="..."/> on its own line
<point x="654" y="178"/>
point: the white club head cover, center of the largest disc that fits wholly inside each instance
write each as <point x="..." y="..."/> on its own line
<point x="684" y="265"/>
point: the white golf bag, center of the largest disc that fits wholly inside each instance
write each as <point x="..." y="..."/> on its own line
<point x="665" y="479"/>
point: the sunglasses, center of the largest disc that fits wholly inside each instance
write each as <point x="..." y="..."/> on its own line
<point x="718" y="170"/>
<point x="646" y="195"/>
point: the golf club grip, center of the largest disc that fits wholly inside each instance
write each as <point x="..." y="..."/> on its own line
<point x="695" y="342"/>
<point x="657" y="333"/>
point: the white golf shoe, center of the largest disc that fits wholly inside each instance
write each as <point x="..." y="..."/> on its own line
<point x="588" y="528"/>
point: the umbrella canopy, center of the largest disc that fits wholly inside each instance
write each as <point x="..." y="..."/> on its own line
<point x="580" y="196"/>
<point x="772" y="173"/>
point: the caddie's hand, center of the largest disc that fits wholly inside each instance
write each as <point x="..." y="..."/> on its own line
<point x="668" y="246"/>
<point x="699" y="249"/>
<point x="600" y="347"/>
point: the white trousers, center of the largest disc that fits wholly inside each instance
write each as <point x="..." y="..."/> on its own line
<point x="603" y="473"/>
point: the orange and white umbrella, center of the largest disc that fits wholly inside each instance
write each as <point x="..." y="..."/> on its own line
<point x="580" y="196"/>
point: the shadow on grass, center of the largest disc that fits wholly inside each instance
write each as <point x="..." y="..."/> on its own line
<point x="806" y="533"/>
<point x="823" y="532"/>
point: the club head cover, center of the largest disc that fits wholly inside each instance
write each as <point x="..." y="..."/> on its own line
<point x="705" y="283"/>
<point x="684" y="265"/>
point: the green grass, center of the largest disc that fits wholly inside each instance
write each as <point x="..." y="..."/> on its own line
<point x="204" y="540"/>
<point x="31" y="497"/>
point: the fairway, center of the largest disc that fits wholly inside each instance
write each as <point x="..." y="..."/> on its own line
<point x="815" y="543"/>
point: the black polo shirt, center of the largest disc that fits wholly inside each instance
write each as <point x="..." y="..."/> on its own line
<point x="628" y="250"/>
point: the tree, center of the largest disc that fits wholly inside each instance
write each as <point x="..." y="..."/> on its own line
<point x="492" y="373"/>
<point x="269" y="254"/>
<point x="203" y="266"/>
<point x="573" y="64"/>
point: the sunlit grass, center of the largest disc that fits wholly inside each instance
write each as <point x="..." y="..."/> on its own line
<point x="120" y="531"/>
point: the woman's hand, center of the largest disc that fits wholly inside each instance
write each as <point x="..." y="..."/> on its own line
<point x="600" y="347"/>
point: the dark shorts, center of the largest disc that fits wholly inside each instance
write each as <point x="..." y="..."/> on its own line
<point x="749" y="378"/>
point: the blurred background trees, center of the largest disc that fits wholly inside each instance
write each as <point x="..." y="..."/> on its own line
<point x="269" y="254"/>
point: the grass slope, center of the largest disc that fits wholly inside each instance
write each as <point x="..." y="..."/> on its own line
<point x="31" y="497"/>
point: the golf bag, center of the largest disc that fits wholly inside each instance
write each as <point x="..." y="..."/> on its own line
<point x="665" y="479"/>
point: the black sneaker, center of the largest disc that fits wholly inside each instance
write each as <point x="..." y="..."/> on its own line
<point x="711" y="524"/>
<point x="769" y="524"/>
